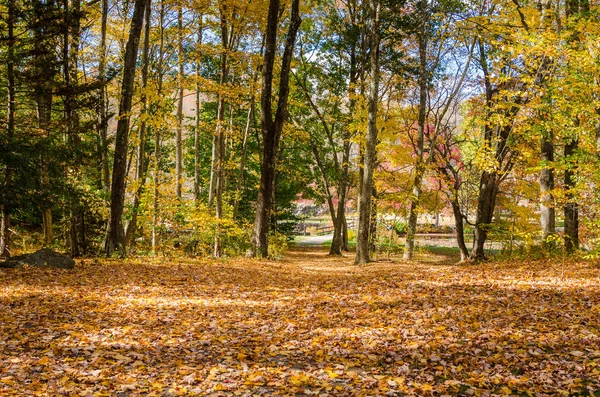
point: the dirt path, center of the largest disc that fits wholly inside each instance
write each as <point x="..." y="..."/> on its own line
<point x="312" y="241"/>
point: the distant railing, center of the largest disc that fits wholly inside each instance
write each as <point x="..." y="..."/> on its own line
<point x="325" y="229"/>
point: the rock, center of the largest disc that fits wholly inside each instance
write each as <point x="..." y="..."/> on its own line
<point x="42" y="258"/>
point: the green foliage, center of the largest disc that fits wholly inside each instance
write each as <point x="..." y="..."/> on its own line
<point x="400" y="228"/>
<point x="278" y="245"/>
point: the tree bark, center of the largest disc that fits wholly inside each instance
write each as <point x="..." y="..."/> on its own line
<point x="240" y="181"/>
<point x="178" y="132"/>
<point x="571" y="209"/>
<point x="157" y="132"/>
<point x="272" y="127"/>
<point x="102" y="103"/>
<point x="460" y="230"/>
<point x="142" y="163"/>
<point x="326" y="189"/>
<point x="45" y="74"/>
<point x="115" y="240"/>
<point x="547" y="213"/>
<point x="488" y="191"/>
<point x="219" y="147"/>
<point x="419" y="147"/>
<point x="71" y="31"/>
<point x="546" y="179"/>
<point x="10" y="126"/>
<point x="339" y="241"/>
<point x="373" y="224"/>
<point x="197" y="129"/>
<point x="574" y="9"/>
<point x="364" y="217"/>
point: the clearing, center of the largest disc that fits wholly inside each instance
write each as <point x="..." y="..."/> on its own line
<point x="305" y="325"/>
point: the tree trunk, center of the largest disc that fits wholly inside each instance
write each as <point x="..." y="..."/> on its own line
<point x="488" y="190"/>
<point x="546" y="179"/>
<point x="547" y="213"/>
<point x="460" y="230"/>
<point x="197" y="129"/>
<point x="219" y="147"/>
<point x="45" y="74"/>
<point x="373" y="224"/>
<point x="345" y="235"/>
<point x="574" y="9"/>
<point x="73" y="116"/>
<point x="240" y="181"/>
<point x="178" y="133"/>
<point x="272" y="127"/>
<point x="326" y="189"/>
<point x="71" y="31"/>
<point x="366" y="194"/>
<point x="102" y="103"/>
<point x="419" y="149"/>
<point x="339" y="241"/>
<point x="213" y="174"/>
<point x="10" y="126"/>
<point x="571" y="210"/>
<point x="142" y="164"/>
<point x="157" y="133"/>
<point x="115" y="240"/>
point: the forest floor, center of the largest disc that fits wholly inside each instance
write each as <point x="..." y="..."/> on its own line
<point x="306" y="325"/>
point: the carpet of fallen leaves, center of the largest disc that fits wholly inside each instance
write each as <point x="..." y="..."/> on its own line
<point x="306" y="325"/>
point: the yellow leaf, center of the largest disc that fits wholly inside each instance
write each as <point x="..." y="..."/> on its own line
<point x="157" y="385"/>
<point x="426" y="387"/>
<point x="298" y="380"/>
<point x="8" y="380"/>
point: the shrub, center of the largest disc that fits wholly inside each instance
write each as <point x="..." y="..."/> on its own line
<point x="400" y="228"/>
<point x="278" y="245"/>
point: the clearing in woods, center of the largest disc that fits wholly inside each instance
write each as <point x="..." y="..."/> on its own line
<point x="306" y="325"/>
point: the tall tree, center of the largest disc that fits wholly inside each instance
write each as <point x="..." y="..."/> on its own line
<point x="422" y="43"/>
<point x="339" y="240"/>
<point x="180" y="76"/>
<point x="574" y="10"/>
<point x="45" y="70"/>
<point x="241" y="171"/>
<point x="141" y="166"/>
<point x="160" y="71"/>
<point x="71" y="39"/>
<point x="370" y="156"/>
<point x="546" y="177"/>
<point x="10" y="124"/>
<point x="218" y="168"/>
<point x="102" y="102"/>
<point x="198" y="110"/>
<point x="546" y="181"/>
<point x="504" y="101"/>
<point x="115" y="240"/>
<point x="271" y="127"/>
